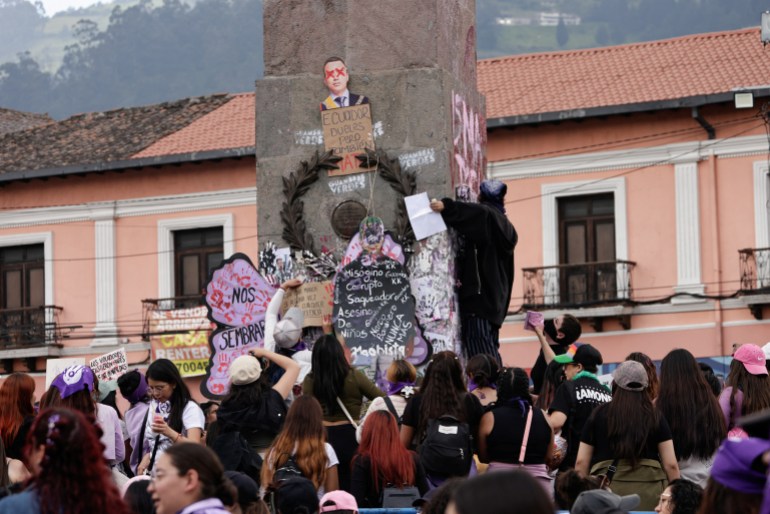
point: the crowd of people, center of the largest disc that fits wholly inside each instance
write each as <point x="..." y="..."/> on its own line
<point x="464" y="435"/>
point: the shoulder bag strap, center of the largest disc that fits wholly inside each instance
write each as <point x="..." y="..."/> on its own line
<point x="347" y="414"/>
<point x="525" y="438"/>
<point x="390" y="406"/>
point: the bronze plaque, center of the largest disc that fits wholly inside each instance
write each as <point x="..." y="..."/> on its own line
<point x="346" y="217"/>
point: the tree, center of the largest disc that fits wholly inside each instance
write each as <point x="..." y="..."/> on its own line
<point x="562" y="35"/>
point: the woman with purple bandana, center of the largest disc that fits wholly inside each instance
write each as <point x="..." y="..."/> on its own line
<point x="133" y="387"/>
<point x="737" y="478"/>
<point x="399" y="387"/>
<point x="485" y="265"/>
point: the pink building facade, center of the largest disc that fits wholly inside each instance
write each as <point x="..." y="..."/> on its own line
<point x="639" y="191"/>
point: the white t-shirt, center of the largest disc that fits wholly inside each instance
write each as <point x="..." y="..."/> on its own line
<point x="192" y="417"/>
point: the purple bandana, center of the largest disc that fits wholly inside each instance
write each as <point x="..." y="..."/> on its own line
<point x="140" y="392"/>
<point x="74" y="379"/>
<point x="397" y="387"/>
<point x="473" y="385"/>
<point x="732" y="465"/>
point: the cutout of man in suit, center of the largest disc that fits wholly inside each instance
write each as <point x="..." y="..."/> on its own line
<point x="336" y="79"/>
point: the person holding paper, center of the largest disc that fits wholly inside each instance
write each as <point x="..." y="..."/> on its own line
<point x="485" y="271"/>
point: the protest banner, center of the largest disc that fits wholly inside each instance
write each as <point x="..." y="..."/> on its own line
<point x="188" y="346"/>
<point x="348" y="131"/>
<point x="110" y="366"/>
<point x="315" y="300"/>
<point x="374" y="307"/>
<point x="55" y="366"/>
<point x="237" y="297"/>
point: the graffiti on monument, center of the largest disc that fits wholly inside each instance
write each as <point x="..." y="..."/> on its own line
<point x="468" y="142"/>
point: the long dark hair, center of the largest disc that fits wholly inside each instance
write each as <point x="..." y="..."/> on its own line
<point x="554" y="377"/>
<point x="689" y="406"/>
<point x="513" y="383"/>
<point x="755" y="388"/>
<point x="483" y="369"/>
<point x="74" y="476"/>
<point x="631" y="421"/>
<point x="443" y="390"/>
<point x="329" y="369"/>
<point x="163" y="370"/>
<point x="246" y="394"/>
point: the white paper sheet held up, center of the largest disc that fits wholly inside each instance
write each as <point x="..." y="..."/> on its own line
<point x="424" y="221"/>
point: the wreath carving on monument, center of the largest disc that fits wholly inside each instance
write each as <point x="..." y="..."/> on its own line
<point x="299" y="182"/>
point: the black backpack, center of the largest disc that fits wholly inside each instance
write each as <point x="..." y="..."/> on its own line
<point x="446" y="450"/>
<point x="289" y="469"/>
<point x="236" y="454"/>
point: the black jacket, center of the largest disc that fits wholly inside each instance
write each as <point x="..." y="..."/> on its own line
<point x="485" y="259"/>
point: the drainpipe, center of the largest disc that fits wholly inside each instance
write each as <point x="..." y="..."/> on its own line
<point x="716" y="254"/>
<point x="703" y="123"/>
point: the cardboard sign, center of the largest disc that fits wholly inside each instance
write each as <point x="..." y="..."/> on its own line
<point x="348" y="131"/>
<point x="110" y="366"/>
<point x="55" y="366"/>
<point x="374" y="307"/>
<point x="237" y="297"/>
<point x="315" y="300"/>
<point x="188" y="349"/>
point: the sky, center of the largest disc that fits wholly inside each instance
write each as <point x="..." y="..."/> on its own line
<point x="54" y="6"/>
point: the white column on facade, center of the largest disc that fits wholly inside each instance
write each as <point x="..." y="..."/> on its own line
<point x="105" y="330"/>
<point x="688" y="255"/>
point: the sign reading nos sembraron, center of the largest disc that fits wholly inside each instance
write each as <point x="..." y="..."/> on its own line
<point x="348" y="131"/>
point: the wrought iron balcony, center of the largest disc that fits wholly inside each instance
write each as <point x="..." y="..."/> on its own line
<point x="578" y="285"/>
<point x="30" y="327"/>
<point x="755" y="269"/>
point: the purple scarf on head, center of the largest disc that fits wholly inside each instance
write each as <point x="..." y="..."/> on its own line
<point x="396" y="387"/>
<point x="140" y="392"/>
<point x="473" y="386"/>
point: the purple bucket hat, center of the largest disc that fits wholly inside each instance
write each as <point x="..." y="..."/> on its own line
<point x="74" y="379"/>
<point x="732" y="465"/>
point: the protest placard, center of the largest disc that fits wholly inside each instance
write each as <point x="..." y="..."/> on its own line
<point x="315" y="300"/>
<point x="110" y="366"/>
<point x="348" y="131"/>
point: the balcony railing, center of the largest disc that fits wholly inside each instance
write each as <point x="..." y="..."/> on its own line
<point x="30" y="327"/>
<point x="578" y="285"/>
<point x="755" y="269"/>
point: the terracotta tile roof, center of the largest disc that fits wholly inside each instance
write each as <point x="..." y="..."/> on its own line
<point x="230" y="126"/>
<point x="101" y="137"/>
<point x="13" y="121"/>
<point x="700" y="64"/>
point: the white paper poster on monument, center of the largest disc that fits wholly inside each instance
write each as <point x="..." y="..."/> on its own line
<point x="110" y="366"/>
<point x="55" y="366"/>
<point x="425" y="222"/>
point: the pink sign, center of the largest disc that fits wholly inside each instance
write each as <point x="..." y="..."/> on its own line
<point x="237" y="297"/>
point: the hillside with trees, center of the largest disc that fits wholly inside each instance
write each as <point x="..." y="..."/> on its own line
<point x="125" y="54"/>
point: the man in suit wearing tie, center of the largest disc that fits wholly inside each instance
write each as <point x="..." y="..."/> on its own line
<point x="336" y="79"/>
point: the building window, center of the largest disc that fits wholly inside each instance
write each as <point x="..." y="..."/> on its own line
<point x="196" y="253"/>
<point x="587" y="248"/>
<point x="22" y="269"/>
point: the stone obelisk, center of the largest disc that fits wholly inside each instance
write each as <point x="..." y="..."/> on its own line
<point x="416" y="62"/>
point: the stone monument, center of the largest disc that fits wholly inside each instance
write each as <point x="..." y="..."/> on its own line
<point x="415" y="62"/>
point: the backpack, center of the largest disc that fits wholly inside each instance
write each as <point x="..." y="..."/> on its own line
<point x="399" y="497"/>
<point x="289" y="469"/>
<point x="236" y="454"/>
<point x="446" y="450"/>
